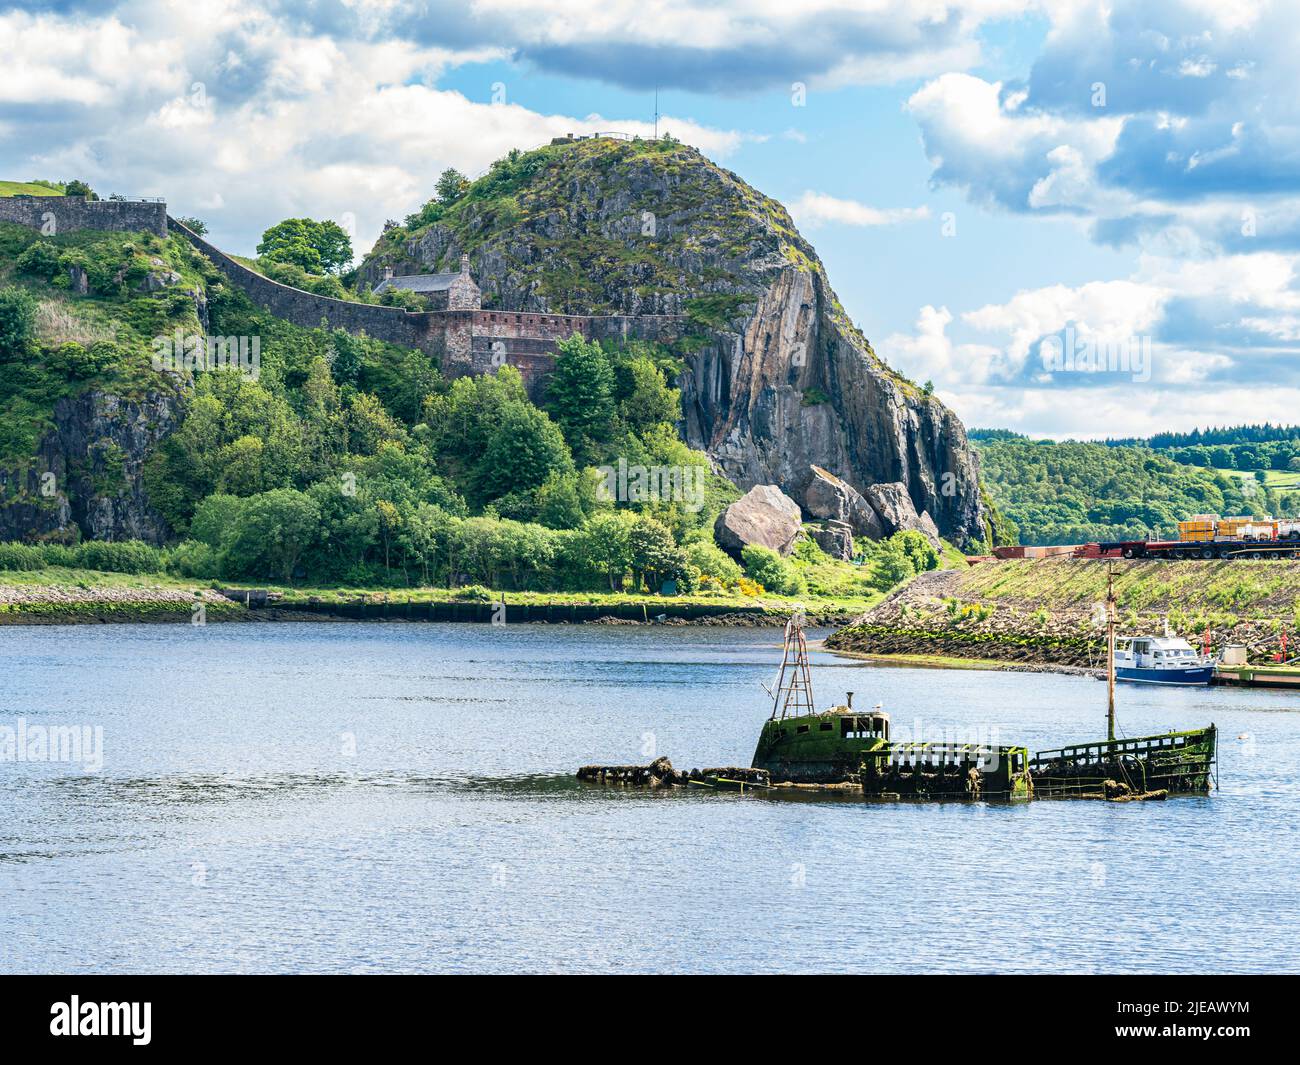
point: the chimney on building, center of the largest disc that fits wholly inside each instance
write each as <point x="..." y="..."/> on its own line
<point x="388" y="273"/>
<point x="464" y="263"/>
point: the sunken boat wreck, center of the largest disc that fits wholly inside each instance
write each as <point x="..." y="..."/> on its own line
<point x="801" y="749"/>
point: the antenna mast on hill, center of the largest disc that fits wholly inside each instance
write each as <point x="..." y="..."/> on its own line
<point x="656" y="112"/>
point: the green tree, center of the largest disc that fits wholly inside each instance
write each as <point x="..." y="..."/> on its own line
<point x="891" y="565"/>
<point x="79" y="188"/>
<point x="317" y="247"/>
<point x="522" y="451"/>
<point x="565" y="499"/>
<point x="348" y="354"/>
<point x="451" y="186"/>
<point x="272" y="532"/>
<point x="645" y="400"/>
<point x="17" y="323"/>
<point x="240" y="466"/>
<point x="370" y="425"/>
<point x="652" y="553"/>
<point x="605" y="545"/>
<point x="324" y="425"/>
<point x="215" y="519"/>
<point x="580" y="397"/>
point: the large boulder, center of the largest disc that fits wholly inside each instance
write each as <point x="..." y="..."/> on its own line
<point x="832" y="499"/>
<point x="836" y="539"/>
<point x="890" y="500"/>
<point x="764" y="515"/>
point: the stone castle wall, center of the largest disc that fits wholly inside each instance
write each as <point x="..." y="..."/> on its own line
<point x="308" y="310"/>
<point x="59" y="214"/>
<point x="464" y="340"/>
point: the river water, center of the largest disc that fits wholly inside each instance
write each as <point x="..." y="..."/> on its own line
<point x="338" y="797"/>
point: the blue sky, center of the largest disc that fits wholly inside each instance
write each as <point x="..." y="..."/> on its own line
<point x="980" y="176"/>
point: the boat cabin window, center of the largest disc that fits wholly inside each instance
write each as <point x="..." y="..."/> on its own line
<point x="825" y="726"/>
<point x="858" y="728"/>
<point x="802" y="728"/>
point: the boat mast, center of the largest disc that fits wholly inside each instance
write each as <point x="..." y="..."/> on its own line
<point x="794" y="695"/>
<point x="1110" y="651"/>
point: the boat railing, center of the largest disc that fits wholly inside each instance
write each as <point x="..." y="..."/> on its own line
<point x="1101" y="750"/>
<point x="939" y="753"/>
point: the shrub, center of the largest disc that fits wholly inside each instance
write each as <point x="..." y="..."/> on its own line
<point x="773" y="572"/>
<point x="918" y="549"/>
<point x="40" y="259"/>
<point x="192" y="558"/>
<point x="16" y="556"/>
<point x="806" y="549"/>
<point x="713" y="563"/>
<point x="17" y="323"/>
<point x="474" y="592"/>
<point x="891" y="565"/>
<point x="59" y="555"/>
<point x="124" y="556"/>
<point x="404" y="298"/>
<point x="76" y="362"/>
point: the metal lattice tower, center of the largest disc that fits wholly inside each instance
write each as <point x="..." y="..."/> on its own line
<point x="794" y="694"/>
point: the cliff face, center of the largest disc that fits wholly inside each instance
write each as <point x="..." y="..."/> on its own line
<point x="777" y="380"/>
<point x="89" y="472"/>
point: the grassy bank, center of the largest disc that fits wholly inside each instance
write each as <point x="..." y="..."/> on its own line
<point x="1044" y="611"/>
<point x="60" y="595"/>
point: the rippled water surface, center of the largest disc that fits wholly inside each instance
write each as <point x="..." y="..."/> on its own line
<point x="372" y="797"/>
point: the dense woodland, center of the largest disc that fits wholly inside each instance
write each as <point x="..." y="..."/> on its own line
<point x="351" y="461"/>
<point x="1074" y="492"/>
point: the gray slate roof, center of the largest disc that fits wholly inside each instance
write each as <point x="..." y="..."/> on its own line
<point x="419" y="282"/>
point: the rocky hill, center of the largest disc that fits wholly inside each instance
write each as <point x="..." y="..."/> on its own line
<point x="778" y="379"/>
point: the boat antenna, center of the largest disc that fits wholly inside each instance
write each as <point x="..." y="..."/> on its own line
<point x="794" y="685"/>
<point x="1110" y="651"/>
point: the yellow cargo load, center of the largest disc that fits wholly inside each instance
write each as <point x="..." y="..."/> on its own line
<point x="1232" y="528"/>
<point x="1189" y="531"/>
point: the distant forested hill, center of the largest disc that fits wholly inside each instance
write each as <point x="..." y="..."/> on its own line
<point x="1075" y="492"/>
<point x="1239" y="447"/>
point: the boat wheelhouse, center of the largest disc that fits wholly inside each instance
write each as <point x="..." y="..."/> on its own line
<point x="842" y="746"/>
<point x="1161" y="660"/>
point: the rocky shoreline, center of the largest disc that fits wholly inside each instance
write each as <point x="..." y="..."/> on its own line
<point x="1044" y="615"/>
<point x="50" y="605"/>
